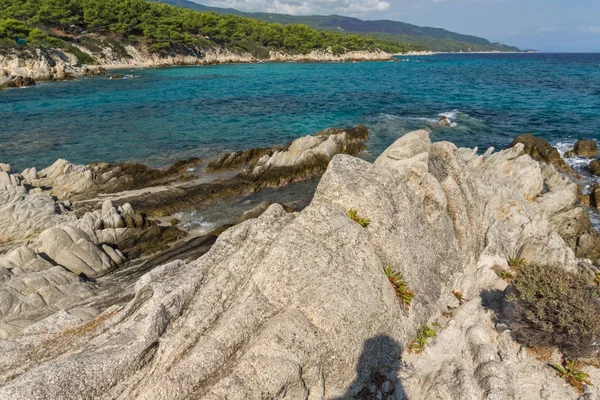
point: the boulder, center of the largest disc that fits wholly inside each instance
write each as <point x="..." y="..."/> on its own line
<point x="584" y="148"/>
<point x="66" y="180"/>
<point x="73" y="249"/>
<point x="595" y="167"/>
<point x="410" y="151"/>
<point x="541" y="150"/>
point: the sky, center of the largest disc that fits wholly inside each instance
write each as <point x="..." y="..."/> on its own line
<point x="544" y="25"/>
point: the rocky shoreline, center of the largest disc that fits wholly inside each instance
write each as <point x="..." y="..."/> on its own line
<point x="23" y="67"/>
<point x="65" y="226"/>
<point x="100" y="299"/>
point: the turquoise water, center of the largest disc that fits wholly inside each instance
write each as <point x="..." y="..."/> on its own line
<point x="166" y="114"/>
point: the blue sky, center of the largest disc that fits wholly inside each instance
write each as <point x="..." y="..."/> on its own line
<point x="545" y="25"/>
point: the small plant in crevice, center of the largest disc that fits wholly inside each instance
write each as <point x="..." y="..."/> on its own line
<point x="575" y="377"/>
<point x="515" y="260"/>
<point x="597" y="278"/>
<point x="353" y="214"/>
<point x="502" y="273"/>
<point x="459" y="296"/>
<point x="399" y="284"/>
<point x="424" y="334"/>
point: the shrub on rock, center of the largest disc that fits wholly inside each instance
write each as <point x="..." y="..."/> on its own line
<point x="554" y="307"/>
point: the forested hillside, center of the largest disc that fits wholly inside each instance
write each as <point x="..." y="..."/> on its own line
<point x="162" y="27"/>
<point x="434" y="39"/>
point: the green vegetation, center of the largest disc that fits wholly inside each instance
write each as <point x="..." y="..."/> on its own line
<point x="515" y="260"/>
<point x="434" y="39"/>
<point x="502" y="273"/>
<point x="554" y="307"/>
<point x="459" y="296"/>
<point x="424" y="334"/>
<point x="353" y="214"/>
<point x="399" y="284"/>
<point x="164" y="27"/>
<point x="572" y="375"/>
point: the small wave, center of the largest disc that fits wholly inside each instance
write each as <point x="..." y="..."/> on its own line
<point x="579" y="164"/>
<point x="450" y="114"/>
<point x="391" y="117"/>
<point x="447" y="119"/>
<point x="194" y="221"/>
<point x="450" y="117"/>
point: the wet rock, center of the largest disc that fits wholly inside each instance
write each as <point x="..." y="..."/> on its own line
<point x="301" y="159"/>
<point x="93" y="70"/>
<point x="595" y="167"/>
<point x="17" y="82"/>
<point x="594" y="196"/>
<point x="541" y="150"/>
<point x="584" y="148"/>
<point x="306" y="156"/>
<point x="445" y="121"/>
<point x="239" y="159"/>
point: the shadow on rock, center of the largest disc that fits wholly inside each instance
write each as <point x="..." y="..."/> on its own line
<point x="377" y="372"/>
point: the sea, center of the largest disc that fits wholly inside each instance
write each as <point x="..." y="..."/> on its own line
<point x="159" y="115"/>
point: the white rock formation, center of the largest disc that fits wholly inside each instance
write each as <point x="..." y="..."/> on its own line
<point x="297" y="305"/>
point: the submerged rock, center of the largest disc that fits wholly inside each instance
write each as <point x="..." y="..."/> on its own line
<point x="299" y="304"/>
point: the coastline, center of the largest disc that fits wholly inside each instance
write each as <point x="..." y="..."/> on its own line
<point x="20" y="68"/>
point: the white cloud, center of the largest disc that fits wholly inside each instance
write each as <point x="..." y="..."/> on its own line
<point x="347" y="7"/>
<point x="590" y="29"/>
<point x="547" y="29"/>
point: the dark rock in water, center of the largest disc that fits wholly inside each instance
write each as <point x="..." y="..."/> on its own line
<point x="595" y="167"/>
<point x="541" y="150"/>
<point x="584" y="148"/>
<point x="299" y="160"/>
<point x="23" y="81"/>
<point x="445" y="121"/>
<point x="113" y="178"/>
<point x="115" y="76"/>
<point x="18" y="82"/>
<point x="93" y="71"/>
<point x="174" y="221"/>
<point x="594" y="196"/>
<point x="239" y="159"/>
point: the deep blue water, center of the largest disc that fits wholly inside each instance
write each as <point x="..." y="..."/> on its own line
<point x="171" y="113"/>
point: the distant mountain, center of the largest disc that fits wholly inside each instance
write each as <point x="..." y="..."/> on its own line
<point x="434" y="39"/>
